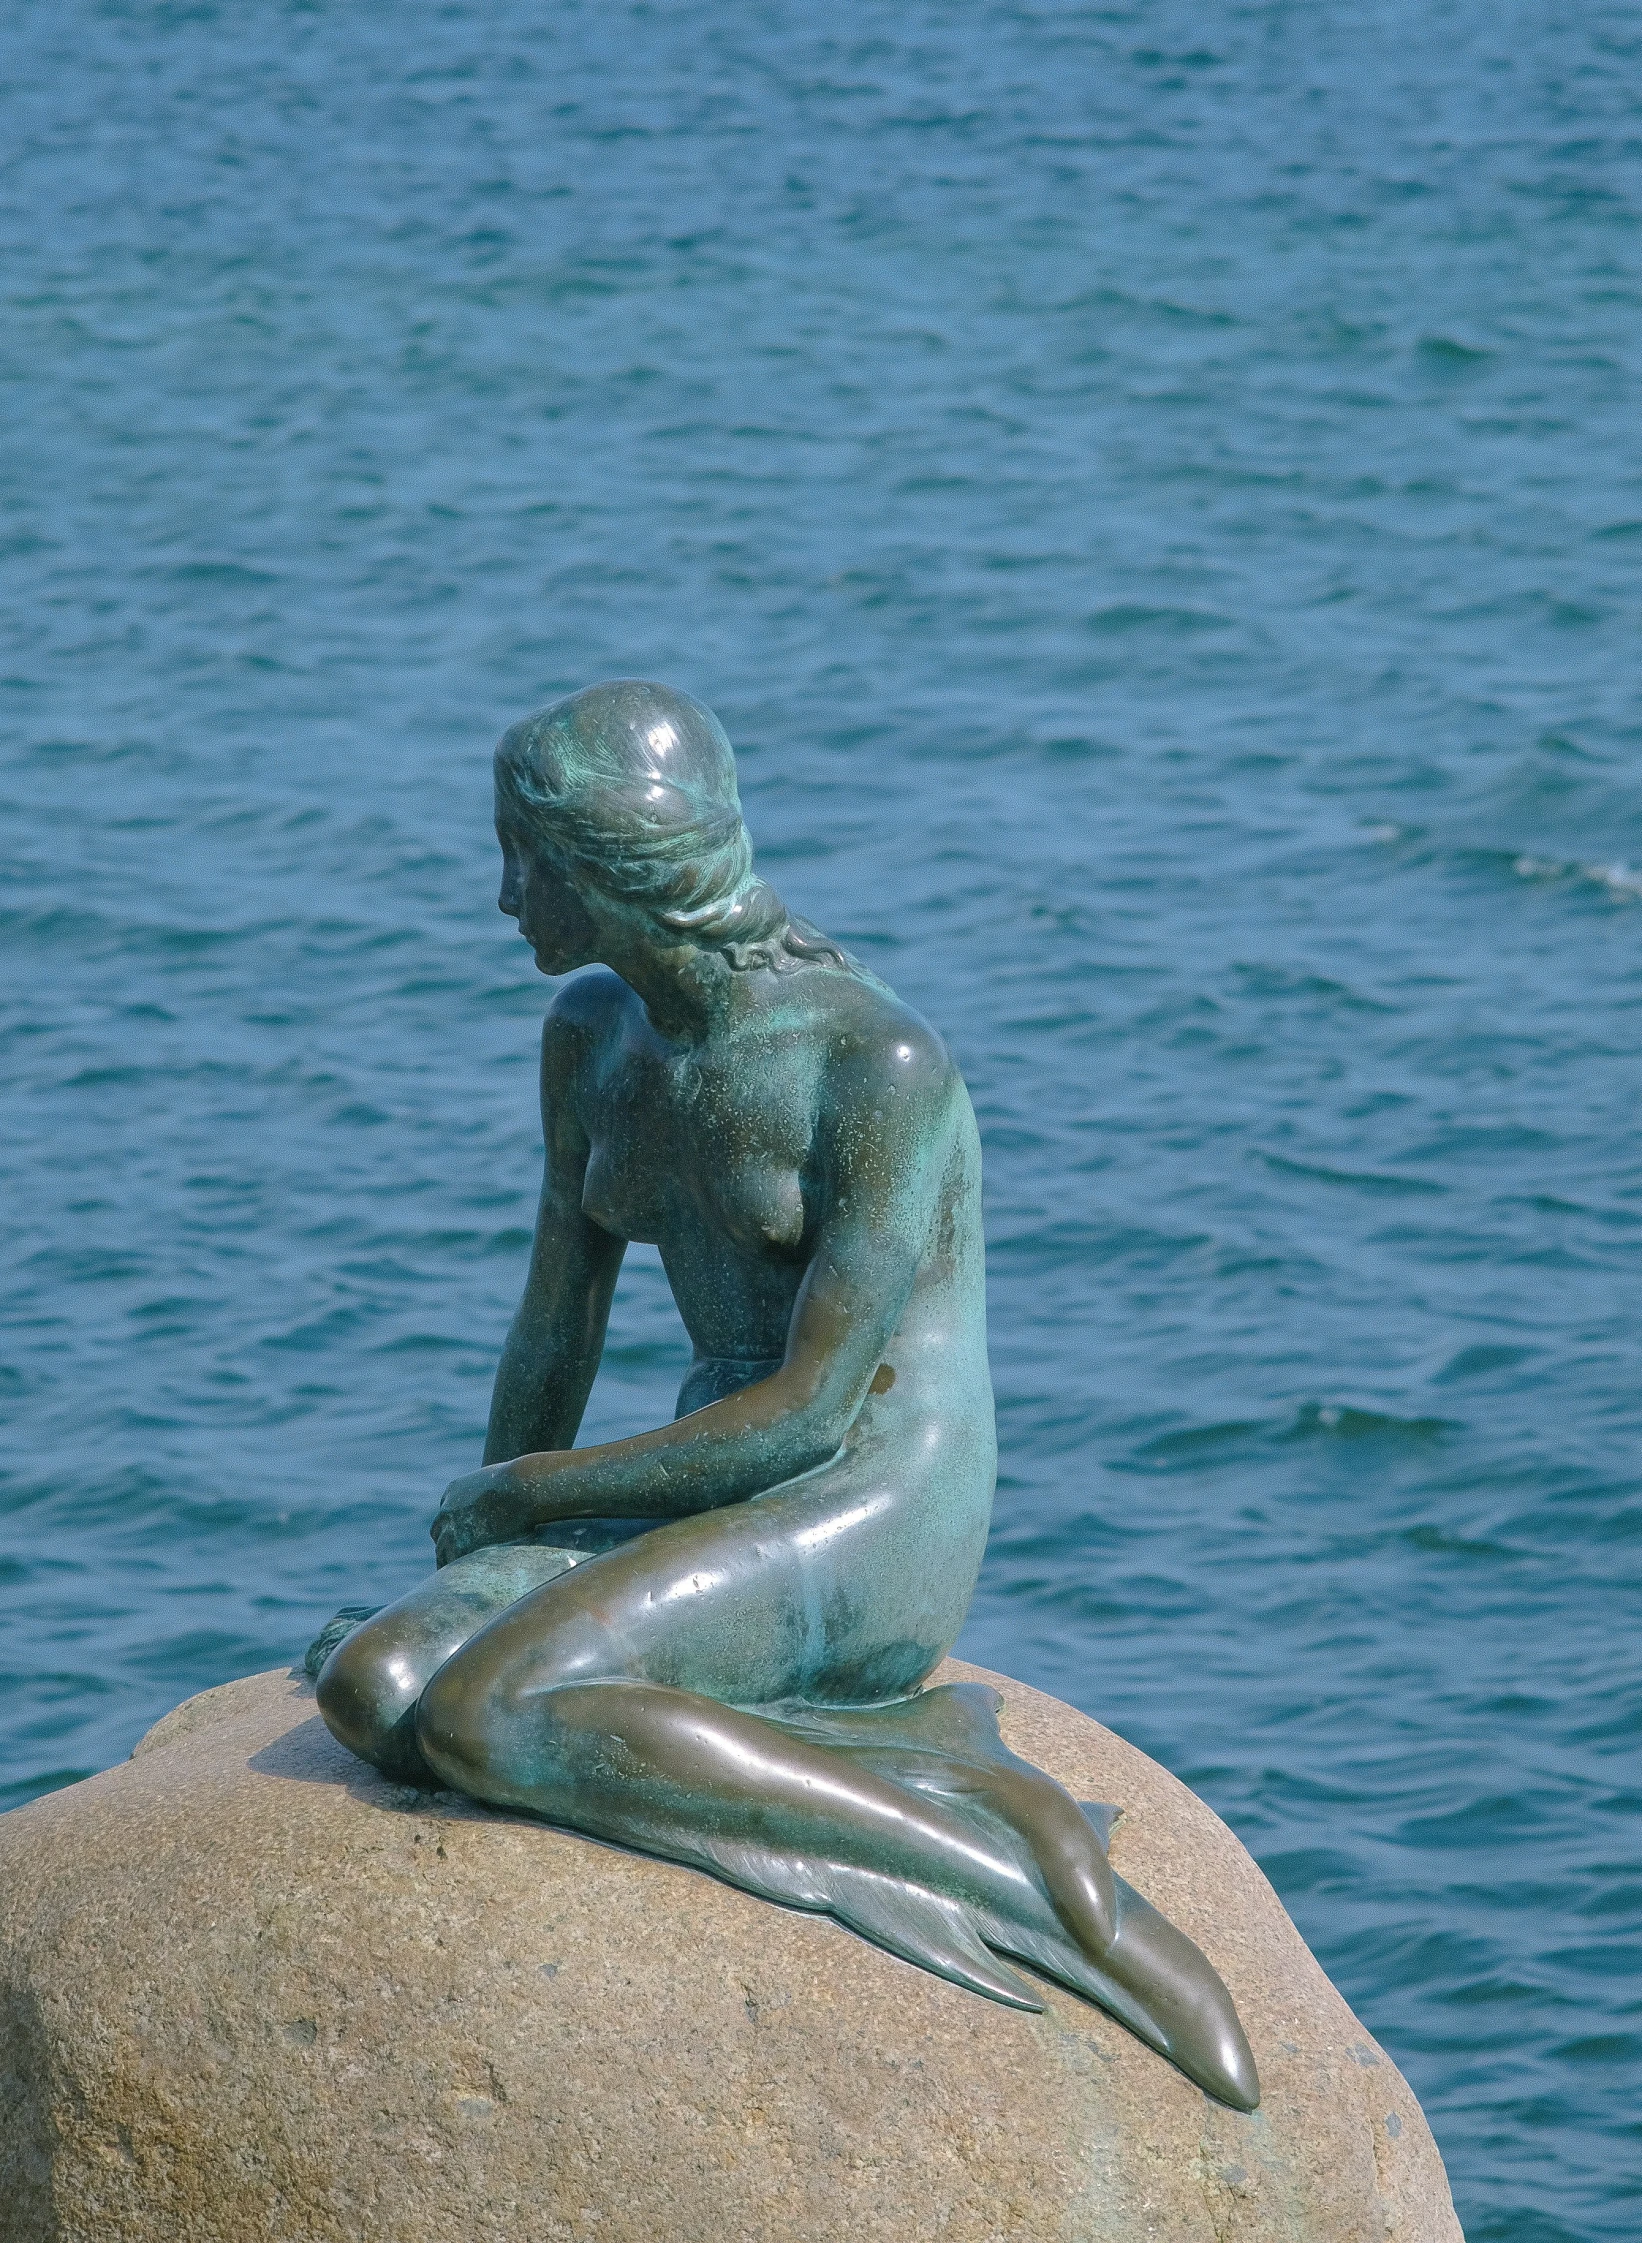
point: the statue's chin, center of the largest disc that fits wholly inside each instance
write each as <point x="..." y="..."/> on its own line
<point x="554" y="962"/>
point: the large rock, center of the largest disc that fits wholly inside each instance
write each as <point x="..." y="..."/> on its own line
<point x="249" y="1990"/>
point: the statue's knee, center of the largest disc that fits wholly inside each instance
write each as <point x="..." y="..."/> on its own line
<point x="367" y="1696"/>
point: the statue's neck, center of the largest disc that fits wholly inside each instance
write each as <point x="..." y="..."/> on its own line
<point x="687" y="992"/>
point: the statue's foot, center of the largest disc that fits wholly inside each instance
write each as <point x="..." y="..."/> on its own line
<point x="340" y="1624"/>
<point x="1106" y="1943"/>
<point x="1159" y="1984"/>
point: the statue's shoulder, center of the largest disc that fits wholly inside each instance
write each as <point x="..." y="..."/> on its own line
<point x="877" y="1041"/>
<point x="586" y="1011"/>
<point x="587" y="1004"/>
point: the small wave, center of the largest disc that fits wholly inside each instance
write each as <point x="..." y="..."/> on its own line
<point x="1128" y="616"/>
<point x="1283" y="981"/>
<point x="1479" y="1360"/>
<point x="35" y="1786"/>
<point x="1197" y="1447"/>
<point x="1475" y="1824"/>
<point x="214" y="572"/>
<point x="1191" y="1438"/>
<point x="1311" y="1869"/>
<point x="1189" y="315"/>
<point x="1062" y="1243"/>
<point x="1339" y="1421"/>
<point x="1439" y="1542"/>
<point x="627" y="1358"/>
<point x="1443" y="354"/>
<point x="1600" y="2048"/>
<point x="433" y="1343"/>
<point x="1618" y="879"/>
<point x="1621" y="881"/>
<point x="1362" y="1180"/>
<point x="320" y="1335"/>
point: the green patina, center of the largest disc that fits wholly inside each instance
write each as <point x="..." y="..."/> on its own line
<point x="708" y="1641"/>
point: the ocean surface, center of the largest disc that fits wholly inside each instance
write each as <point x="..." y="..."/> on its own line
<point x="1154" y="494"/>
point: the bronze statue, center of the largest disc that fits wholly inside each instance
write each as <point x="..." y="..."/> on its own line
<point x="708" y="1642"/>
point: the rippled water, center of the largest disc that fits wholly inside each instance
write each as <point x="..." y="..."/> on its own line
<point x="1154" y="495"/>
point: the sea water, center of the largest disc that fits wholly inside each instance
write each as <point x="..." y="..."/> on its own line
<point x="1153" y="494"/>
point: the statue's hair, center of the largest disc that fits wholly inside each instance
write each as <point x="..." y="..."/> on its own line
<point x="634" y="785"/>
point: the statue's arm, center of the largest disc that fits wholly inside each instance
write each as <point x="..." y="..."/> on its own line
<point x="887" y="1137"/>
<point x="551" y="1354"/>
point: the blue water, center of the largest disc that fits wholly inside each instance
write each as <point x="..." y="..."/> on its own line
<point x="1154" y="494"/>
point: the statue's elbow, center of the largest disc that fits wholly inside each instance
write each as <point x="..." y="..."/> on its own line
<point x="805" y="1420"/>
<point x="817" y="1434"/>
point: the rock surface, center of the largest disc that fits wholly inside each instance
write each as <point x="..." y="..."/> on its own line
<point x="248" y="1990"/>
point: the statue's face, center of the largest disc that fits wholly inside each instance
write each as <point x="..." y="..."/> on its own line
<point x="538" y="891"/>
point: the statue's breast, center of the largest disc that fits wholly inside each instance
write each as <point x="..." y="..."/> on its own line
<point x="761" y="1204"/>
<point x="624" y="1191"/>
<point x="745" y="1144"/>
<point x="683" y="1152"/>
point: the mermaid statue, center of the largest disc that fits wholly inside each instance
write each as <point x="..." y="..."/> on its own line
<point x="711" y="1641"/>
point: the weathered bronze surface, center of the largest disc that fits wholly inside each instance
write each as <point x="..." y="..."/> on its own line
<point x="707" y="1641"/>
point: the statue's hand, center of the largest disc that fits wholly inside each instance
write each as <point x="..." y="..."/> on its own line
<point x="478" y="1509"/>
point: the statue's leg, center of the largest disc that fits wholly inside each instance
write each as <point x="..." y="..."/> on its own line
<point x="640" y="1698"/>
<point x="672" y="1772"/>
<point x="839" y="1588"/>
<point x="369" y="1686"/>
<point x="599" y="1700"/>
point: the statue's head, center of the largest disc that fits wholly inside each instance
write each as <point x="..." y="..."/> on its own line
<point x="623" y="799"/>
